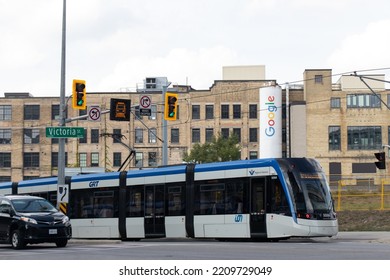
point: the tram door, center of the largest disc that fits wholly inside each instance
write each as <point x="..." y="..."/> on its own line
<point x="154" y="211"/>
<point x="257" y="208"/>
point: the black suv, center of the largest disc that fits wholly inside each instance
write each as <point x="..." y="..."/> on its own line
<point x="31" y="219"/>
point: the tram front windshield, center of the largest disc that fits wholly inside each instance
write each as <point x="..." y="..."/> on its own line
<point x="310" y="192"/>
<point x="316" y="192"/>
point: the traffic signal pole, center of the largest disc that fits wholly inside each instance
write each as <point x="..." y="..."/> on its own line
<point x="61" y="141"/>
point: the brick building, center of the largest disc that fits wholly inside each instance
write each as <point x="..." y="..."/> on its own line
<point x="341" y="125"/>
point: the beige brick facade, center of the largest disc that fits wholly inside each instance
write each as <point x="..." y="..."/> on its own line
<point x="311" y="116"/>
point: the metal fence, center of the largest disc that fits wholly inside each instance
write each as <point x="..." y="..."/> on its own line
<point x="356" y="193"/>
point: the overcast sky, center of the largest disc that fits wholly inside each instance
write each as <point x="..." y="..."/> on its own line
<point x="115" y="44"/>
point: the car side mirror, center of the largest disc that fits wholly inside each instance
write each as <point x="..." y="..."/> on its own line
<point x="6" y="210"/>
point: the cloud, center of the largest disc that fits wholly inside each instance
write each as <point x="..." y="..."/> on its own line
<point x="362" y="51"/>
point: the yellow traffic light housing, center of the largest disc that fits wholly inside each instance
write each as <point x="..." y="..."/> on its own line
<point x="79" y="95"/>
<point x="170" y="109"/>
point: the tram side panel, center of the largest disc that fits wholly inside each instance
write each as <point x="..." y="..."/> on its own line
<point x="93" y="206"/>
<point x="155" y="204"/>
<point x="221" y="203"/>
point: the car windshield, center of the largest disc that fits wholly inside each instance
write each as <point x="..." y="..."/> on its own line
<point x="33" y="205"/>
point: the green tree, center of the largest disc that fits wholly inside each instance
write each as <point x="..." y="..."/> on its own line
<point x="219" y="149"/>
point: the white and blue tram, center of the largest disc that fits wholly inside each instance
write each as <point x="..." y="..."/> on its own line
<point x="258" y="199"/>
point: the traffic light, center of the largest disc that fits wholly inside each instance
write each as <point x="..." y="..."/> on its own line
<point x="79" y="95"/>
<point x="170" y="106"/>
<point x="120" y="109"/>
<point x="381" y="163"/>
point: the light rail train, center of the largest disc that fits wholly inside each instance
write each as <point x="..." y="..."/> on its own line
<point x="245" y="199"/>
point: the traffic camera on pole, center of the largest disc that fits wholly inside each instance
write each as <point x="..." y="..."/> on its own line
<point x="79" y="95"/>
<point x="170" y="109"/>
<point x="381" y="163"/>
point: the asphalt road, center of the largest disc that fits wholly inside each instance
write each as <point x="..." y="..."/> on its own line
<point x="344" y="246"/>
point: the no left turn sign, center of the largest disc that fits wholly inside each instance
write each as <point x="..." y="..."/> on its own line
<point x="94" y="113"/>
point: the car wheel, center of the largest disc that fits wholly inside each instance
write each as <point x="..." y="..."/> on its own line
<point x="17" y="241"/>
<point x="62" y="243"/>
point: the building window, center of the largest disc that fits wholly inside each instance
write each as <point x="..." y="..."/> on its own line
<point x="253" y="111"/>
<point x="175" y="135"/>
<point x="152" y="159"/>
<point x="225" y="133"/>
<point x="252" y="134"/>
<point x="117" y="135"/>
<point x="139" y="159"/>
<point x="84" y="139"/>
<point x="137" y="113"/>
<point x="153" y="112"/>
<point x="364" y="137"/>
<point x="31" y="112"/>
<point x="5" y="112"/>
<point x="224" y="111"/>
<point x="83" y="159"/>
<point x="209" y="134"/>
<point x="54" y="159"/>
<point x="94" y="159"/>
<point x="5" y="136"/>
<point x="31" y="136"/>
<point x="56" y="140"/>
<point x="94" y="136"/>
<point x="31" y="159"/>
<point x="117" y="159"/>
<point x="209" y="112"/>
<point x="335" y="102"/>
<point x="318" y="79"/>
<point x="195" y="112"/>
<point x="334" y="138"/>
<point x="55" y="112"/>
<point x="388" y="101"/>
<point x="83" y="112"/>
<point x="195" y="135"/>
<point x="237" y="133"/>
<point x="152" y="138"/>
<point x="361" y="167"/>
<point x="139" y="135"/>
<point x="253" y="155"/>
<point x="236" y="111"/>
<point x="5" y="179"/>
<point x="363" y="101"/>
<point x="5" y="160"/>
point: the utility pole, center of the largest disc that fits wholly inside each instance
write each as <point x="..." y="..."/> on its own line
<point x="61" y="141"/>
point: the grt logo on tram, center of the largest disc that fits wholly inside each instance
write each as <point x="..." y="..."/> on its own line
<point x="93" y="184"/>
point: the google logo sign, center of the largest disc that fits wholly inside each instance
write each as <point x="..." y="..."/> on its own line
<point x="270" y="124"/>
<point x="270" y="130"/>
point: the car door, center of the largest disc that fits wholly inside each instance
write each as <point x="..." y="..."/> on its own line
<point x="5" y="218"/>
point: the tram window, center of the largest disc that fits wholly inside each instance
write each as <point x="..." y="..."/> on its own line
<point x="211" y="199"/>
<point x="234" y="196"/>
<point x="279" y="201"/>
<point x="175" y="201"/>
<point x="135" y="204"/>
<point x="104" y="204"/>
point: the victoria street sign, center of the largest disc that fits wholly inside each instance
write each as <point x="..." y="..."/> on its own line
<point x="65" y="132"/>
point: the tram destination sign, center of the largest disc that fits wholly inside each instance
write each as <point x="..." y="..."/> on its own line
<point x="65" y="132"/>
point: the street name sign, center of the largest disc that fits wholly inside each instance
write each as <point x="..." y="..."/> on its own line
<point x="65" y="132"/>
